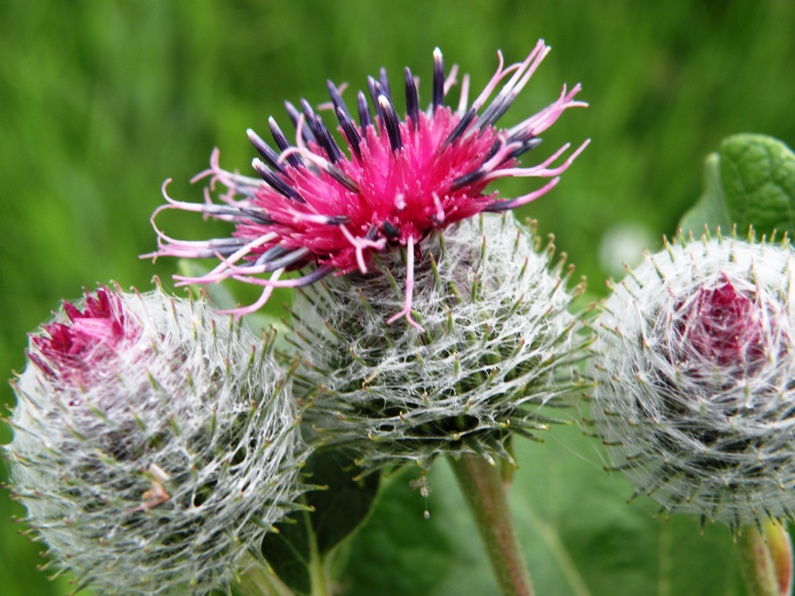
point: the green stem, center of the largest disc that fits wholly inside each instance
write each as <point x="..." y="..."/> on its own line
<point x="317" y="568"/>
<point x="259" y="580"/>
<point x="766" y="560"/>
<point x="482" y="487"/>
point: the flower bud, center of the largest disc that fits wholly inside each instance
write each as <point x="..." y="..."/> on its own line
<point x="694" y="361"/>
<point x="497" y="344"/>
<point x="154" y="442"/>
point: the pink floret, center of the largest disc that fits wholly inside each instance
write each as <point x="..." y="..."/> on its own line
<point x="723" y="325"/>
<point x="73" y="348"/>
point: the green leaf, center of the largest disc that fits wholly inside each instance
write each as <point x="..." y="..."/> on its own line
<point x="710" y="209"/>
<point x="305" y="546"/>
<point x="750" y="182"/>
<point x="579" y="535"/>
<point x="758" y="179"/>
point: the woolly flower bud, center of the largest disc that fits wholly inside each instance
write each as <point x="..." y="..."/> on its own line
<point x="694" y="365"/>
<point x="154" y="442"/>
<point x="497" y="330"/>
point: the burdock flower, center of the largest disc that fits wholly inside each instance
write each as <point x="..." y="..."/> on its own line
<point x="499" y="343"/>
<point x="318" y="207"/>
<point x="154" y="443"/>
<point x="694" y="362"/>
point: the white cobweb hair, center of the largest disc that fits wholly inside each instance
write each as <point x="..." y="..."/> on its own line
<point x="498" y="343"/>
<point x="694" y="364"/>
<point x="172" y="463"/>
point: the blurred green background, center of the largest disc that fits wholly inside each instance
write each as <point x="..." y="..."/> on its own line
<point x="101" y="101"/>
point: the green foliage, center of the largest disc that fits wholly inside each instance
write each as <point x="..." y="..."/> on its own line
<point x="758" y="177"/>
<point x="749" y="182"/>
<point x="337" y="510"/>
<point x="578" y="534"/>
<point x="710" y="209"/>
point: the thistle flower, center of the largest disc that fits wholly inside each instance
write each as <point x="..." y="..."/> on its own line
<point x="315" y="206"/>
<point x="694" y="361"/>
<point x="498" y="344"/>
<point x="154" y="443"/>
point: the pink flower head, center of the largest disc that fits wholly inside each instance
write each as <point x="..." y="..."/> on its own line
<point x="397" y="181"/>
<point x="722" y="325"/>
<point x="71" y="349"/>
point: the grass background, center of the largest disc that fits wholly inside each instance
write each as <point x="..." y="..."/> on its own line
<point x="100" y="101"/>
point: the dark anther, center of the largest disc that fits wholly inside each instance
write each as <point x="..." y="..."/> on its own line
<point x="295" y="116"/>
<point x="316" y="275"/>
<point x="342" y="178"/>
<point x="495" y="146"/>
<point x="276" y="182"/>
<point x="349" y="129"/>
<point x="288" y="259"/>
<point x="390" y="230"/>
<point x="524" y="147"/>
<point x="412" y="99"/>
<point x="466" y="179"/>
<point x="372" y="87"/>
<point x="282" y="143"/>
<point x="228" y="210"/>
<point x="257" y="216"/>
<point x="268" y="154"/>
<point x="461" y="126"/>
<point x="364" y="111"/>
<point x="391" y="122"/>
<point x="338" y="220"/>
<point x="495" y="111"/>
<point x="307" y="109"/>
<point x="499" y="206"/>
<point x="325" y="139"/>
<point x="336" y="99"/>
<point x="438" y="79"/>
<point x="274" y="252"/>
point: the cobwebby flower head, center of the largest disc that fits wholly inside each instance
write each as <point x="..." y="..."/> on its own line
<point x="155" y="442"/>
<point x="694" y="361"/>
<point x="498" y="344"/>
<point x="396" y="182"/>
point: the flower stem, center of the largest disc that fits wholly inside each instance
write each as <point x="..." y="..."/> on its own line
<point x="766" y="560"/>
<point x="482" y="487"/>
<point x="258" y="580"/>
<point x="317" y="567"/>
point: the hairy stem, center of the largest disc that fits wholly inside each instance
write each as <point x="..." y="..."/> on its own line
<point x="766" y="560"/>
<point x="482" y="487"/>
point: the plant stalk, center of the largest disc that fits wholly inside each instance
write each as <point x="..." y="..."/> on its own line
<point x="317" y="567"/>
<point x="766" y="560"/>
<point x="258" y="580"/>
<point x="483" y="490"/>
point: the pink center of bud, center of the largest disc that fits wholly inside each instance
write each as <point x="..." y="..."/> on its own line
<point x="72" y="350"/>
<point x="722" y="325"/>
